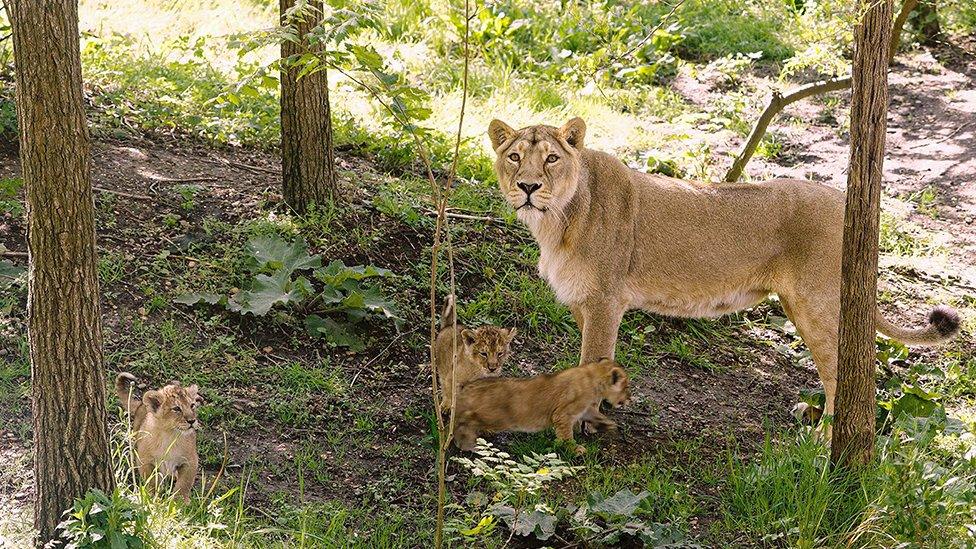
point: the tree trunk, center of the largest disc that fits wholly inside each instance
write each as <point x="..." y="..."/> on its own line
<point x="307" y="156"/>
<point x="853" y="430"/>
<point x="71" y="446"/>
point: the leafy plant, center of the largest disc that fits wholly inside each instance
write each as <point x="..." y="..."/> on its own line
<point x="9" y="189"/>
<point x="100" y="521"/>
<point x="606" y="520"/>
<point x="333" y="290"/>
<point x="518" y="486"/>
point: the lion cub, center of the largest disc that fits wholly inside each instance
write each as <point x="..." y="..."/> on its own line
<point x="166" y="423"/>
<point x="529" y="405"/>
<point x="481" y="352"/>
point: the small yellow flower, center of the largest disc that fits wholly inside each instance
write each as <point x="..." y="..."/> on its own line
<point x="543" y="471"/>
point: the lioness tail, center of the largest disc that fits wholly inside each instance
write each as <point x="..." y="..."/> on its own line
<point x="943" y="325"/>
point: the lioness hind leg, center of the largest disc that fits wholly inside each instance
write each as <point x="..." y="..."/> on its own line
<point x="817" y="325"/>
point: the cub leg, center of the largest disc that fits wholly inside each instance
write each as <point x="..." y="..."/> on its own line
<point x="600" y="324"/>
<point x="594" y="421"/>
<point x="186" y="474"/>
<point x="564" y="424"/>
<point x="447" y="390"/>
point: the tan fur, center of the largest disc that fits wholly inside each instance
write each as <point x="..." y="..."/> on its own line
<point x="529" y="405"/>
<point x="165" y="423"/>
<point x="481" y="352"/>
<point x="612" y="239"/>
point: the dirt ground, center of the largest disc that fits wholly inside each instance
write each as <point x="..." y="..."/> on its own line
<point x="932" y="144"/>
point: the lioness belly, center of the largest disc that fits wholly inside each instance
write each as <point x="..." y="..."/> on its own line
<point x="690" y="306"/>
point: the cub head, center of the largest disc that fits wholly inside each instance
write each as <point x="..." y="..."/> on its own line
<point x="538" y="166"/>
<point x="616" y="383"/>
<point x="174" y="407"/>
<point x="488" y="347"/>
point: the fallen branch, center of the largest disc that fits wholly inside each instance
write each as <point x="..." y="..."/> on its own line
<point x="12" y="253"/>
<point x="124" y="194"/>
<point x="195" y="179"/>
<point x="778" y="101"/>
<point x="470" y="217"/>
<point x="259" y="169"/>
<point x="943" y="140"/>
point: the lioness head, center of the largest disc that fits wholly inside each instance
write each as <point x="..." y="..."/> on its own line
<point x="538" y="166"/>
<point x="616" y="387"/>
<point x="488" y="347"/>
<point x="174" y="406"/>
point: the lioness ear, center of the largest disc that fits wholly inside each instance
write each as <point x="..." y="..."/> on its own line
<point x="467" y="336"/>
<point x="499" y="132"/>
<point x="574" y="131"/>
<point x="153" y="399"/>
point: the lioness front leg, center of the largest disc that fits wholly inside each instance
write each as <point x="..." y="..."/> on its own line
<point x="600" y="324"/>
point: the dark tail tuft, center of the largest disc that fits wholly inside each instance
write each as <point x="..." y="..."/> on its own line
<point x="945" y="319"/>
<point x="447" y="315"/>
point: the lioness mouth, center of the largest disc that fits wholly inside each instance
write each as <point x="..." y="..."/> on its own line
<point x="529" y="204"/>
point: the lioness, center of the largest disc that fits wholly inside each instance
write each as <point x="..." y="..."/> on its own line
<point x="165" y="423"/>
<point x="613" y="239"/>
<point x="528" y="405"/>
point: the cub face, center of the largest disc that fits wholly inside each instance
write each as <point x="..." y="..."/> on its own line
<point x="538" y="166"/>
<point x="174" y="407"/>
<point x="488" y="347"/>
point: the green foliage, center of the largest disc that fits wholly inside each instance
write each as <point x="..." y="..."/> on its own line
<point x="911" y="495"/>
<point x="518" y="488"/>
<point x="275" y="264"/>
<point x="607" y="520"/>
<point x="10" y="274"/>
<point x="100" y="521"/>
<point x="10" y="201"/>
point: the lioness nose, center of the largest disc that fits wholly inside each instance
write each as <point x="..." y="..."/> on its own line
<point x="529" y="188"/>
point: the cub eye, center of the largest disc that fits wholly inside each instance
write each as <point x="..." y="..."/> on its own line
<point x="551" y="158"/>
<point x="177" y="409"/>
<point x="514" y="157"/>
<point x="484" y="355"/>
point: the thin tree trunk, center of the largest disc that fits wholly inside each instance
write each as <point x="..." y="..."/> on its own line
<point x="71" y="447"/>
<point x="307" y="155"/>
<point x="853" y="430"/>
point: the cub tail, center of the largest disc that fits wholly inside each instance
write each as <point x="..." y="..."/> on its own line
<point x="943" y="325"/>
<point x="447" y="315"/>
<point x="125" y="388"/>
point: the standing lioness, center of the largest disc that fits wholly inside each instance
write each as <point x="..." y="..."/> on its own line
<point x="613" y="239"/>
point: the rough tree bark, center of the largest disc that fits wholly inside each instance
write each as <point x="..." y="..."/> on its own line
<point x="71" y="446"/>
<point x="307" y="155"/>
<point x="853" y="429"/>
<point x="779" y="101"/>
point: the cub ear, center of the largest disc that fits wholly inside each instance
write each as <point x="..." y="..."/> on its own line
<point x="467" y="336"/>
<point x="573" y="132"/>
<point x="499" y="132"/>
<point x="152" y="399"/>
<point x="617" y="374"/>
<point x="510" y="333"/>
<point x="194" y="393"/>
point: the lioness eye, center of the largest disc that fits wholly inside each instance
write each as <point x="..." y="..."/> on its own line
<point x="551" y="158"/>
<point x="514" y="157"/>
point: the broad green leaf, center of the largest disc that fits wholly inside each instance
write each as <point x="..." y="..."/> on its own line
<point x="276" y="253"/>
<point x="267" y="292"/>
<point x="10" y="274"/>
<point x="194" y="298"/>
<point x="621" y="504"/>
